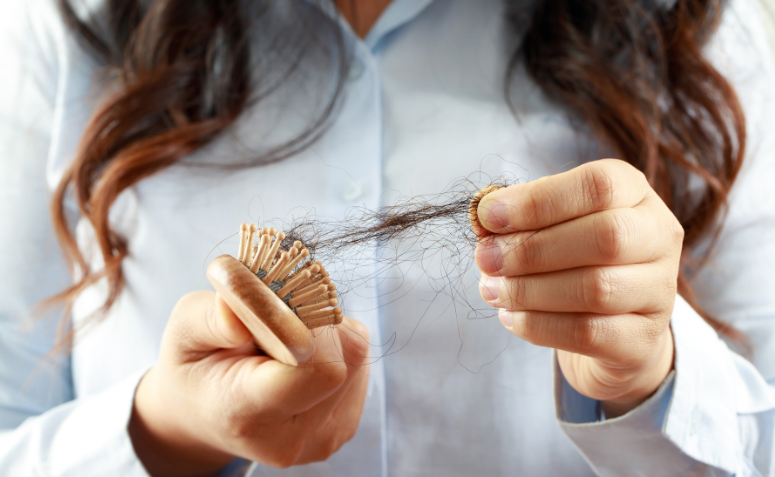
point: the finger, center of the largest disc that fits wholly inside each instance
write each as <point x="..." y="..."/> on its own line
<point x="644" y="288"/>
<point x="335" y="420"/>
<point x="610" y="237"/>
<point x="316" y="434"/>
<point x="300" y="436"/>
<point x="355" y="342"/>
<point x="623" y="339"/>
<point x="353" y="337"/>
<point x="202" y="322"/>
<point x="592" y="187"/>
<point x="341" y="423"/>
<point x="300" y="388"/>
<point x="281" y="390"/>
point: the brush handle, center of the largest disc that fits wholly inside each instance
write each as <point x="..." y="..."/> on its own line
<point x="275" y="328"/>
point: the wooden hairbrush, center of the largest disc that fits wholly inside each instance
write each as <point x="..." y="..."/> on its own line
<point x="280" y="295"/>
<point x="277" y="292"/>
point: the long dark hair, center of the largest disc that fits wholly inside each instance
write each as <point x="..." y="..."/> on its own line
<point x="632" y="71"/>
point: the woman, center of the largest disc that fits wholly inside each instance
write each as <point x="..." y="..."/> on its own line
<point x="359" y="103"/>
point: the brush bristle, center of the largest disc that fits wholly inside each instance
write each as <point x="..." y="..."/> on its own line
<point x="302" y="284"/>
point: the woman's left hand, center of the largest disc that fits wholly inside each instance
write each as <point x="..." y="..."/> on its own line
<point x="587" y="262"/>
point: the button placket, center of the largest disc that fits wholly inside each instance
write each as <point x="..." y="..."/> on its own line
<point x="352" y="192"/>
<point x="356" y="69"/>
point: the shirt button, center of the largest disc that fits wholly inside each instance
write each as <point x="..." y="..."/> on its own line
<point x="696" y="422"/>
<point x="352" y="192"/>
<point x="356" y="70"/>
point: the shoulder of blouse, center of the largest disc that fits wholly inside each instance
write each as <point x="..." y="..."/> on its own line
<point x="767" y="10"/>
<point x="741" y="51"/>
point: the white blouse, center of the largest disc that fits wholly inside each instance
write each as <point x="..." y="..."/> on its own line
<point x="449" y="395"/>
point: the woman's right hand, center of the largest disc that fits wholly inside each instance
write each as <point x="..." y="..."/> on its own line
<point x="211" y="397"/>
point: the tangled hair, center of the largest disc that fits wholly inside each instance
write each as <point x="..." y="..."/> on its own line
<point x="632" y="71"/>
<point x="183" y="75"/>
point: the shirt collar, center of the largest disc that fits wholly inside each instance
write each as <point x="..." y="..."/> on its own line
<point x="397" y="14"/>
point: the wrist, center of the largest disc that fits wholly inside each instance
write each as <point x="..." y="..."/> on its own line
<point x="164" y="447"/>
<point x="647" y="381"/>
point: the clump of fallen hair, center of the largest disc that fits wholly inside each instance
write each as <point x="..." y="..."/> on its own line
<point x="434" y="232"/>
<point x="451" y="214"/>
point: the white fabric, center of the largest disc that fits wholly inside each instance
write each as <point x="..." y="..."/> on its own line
<point x="424" y="107"/>
<point x="768" y="15"/>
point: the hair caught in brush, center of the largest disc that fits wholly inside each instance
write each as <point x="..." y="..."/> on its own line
<point x="435" y="233"/>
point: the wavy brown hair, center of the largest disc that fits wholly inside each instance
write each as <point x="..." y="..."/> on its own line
<point x="184" y="70"/>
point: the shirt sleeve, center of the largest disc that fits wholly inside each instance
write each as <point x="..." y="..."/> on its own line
<point x="715" y="414"/>
<point x="712" y="416"/>
<point x="45" y="430"/>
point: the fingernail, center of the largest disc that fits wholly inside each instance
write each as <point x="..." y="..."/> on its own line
<point x="491" y="259"/>
<point x="493" y="215"/>
<point x="489" y="287"/>
<point x="506" y="318"/>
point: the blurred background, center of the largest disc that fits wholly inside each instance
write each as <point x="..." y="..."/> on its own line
<point x="768" y="6"/>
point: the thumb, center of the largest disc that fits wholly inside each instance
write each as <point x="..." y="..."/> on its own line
<point x="201" y="321"/>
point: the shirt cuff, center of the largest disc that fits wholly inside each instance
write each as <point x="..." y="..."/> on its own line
<point x="605" y="444"/>
<point x="688" y="424"/>
<point x="85" y="437"/>
<point x="713" y="387"/>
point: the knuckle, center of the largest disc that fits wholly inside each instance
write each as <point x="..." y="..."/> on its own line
<point x="210" y="323"/>
<point x="669" y="286"/>
<point x="175" y="335"/>
<point x="335" y="443"/>
<point x="328" y="442"/>
<point x="536" y="207"/>
<point x="237" y="427"/>
<point x="598" y="186"/>
<point x="529" y="329"/>
<point x="591" y="334"/>
<point x="613" y="232"/>
<point x="518" y="291"/>
<point x="597" y="289"/>
<point x="653" y="330"/>
<point x="186" y="310"/>
<point x="333" y="375"/>
<point x="326" y="450"/>
<point x="526" y="250"/>
<point x="348" y="433"/>
<point x="288" y="456"/>
<point x="181" y="308"/>
<point x="190" y="296"/>
<point x="358" y="348"/>
<point x="676" y="230"/>
<point x="355" y="344"/>
<point x="640" y="176"/>
<point x="360" y="329"/>
<point x="628" y="170"/>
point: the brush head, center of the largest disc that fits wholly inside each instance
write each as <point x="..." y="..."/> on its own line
<point x="275" y="328"/>
<point x="286" y="270"/>
<point x="277" y="292"/>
